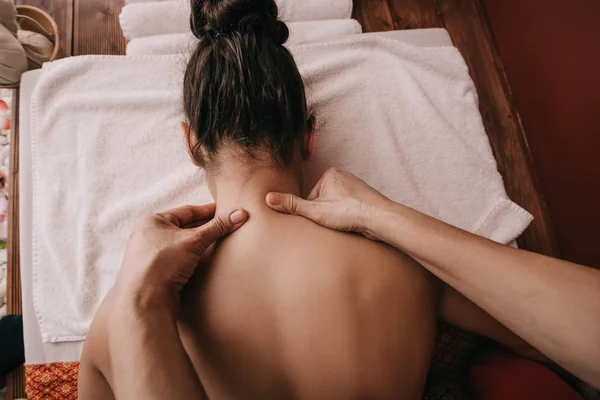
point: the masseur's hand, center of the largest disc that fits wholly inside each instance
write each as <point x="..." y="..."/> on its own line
<point x="338" y="201"/>
<point x="146" y="353"/>
<point x="165" y="249"/>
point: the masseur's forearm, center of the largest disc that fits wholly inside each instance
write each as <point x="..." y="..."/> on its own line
<point x="147" y="355"/>
<point x="552" y="304"/>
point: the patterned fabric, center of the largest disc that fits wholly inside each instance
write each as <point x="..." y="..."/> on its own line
<point x="441" y="388"/>
<point x="454" y="351"/>
<point x="5" y="123"/>
<point x="51" y="381"/>
<point x="452" y="355"/>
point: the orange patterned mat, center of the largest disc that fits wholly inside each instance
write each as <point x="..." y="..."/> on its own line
<point x="51" y="381"/>
<point x="59" y="381"/>
<point x="453" y="350"/>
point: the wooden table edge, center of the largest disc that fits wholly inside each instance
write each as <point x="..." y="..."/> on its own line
<point x="16" y="379"/>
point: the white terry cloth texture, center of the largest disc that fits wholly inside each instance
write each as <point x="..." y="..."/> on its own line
<point x="300" y="32"/>
<point x="161" y="18"/>
<point x="37" y="352"/>
<point x="106" y="147"/>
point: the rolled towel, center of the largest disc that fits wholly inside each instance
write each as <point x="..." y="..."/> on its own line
<point x="13" y="61"/>
<point x="172" y="43"/>
<point x="37" y="47"/>
<point x="8" y="16"/>
<point x="300" y="32"/>
<point x="313" y="31"/>
<point x="314" y="10"/>
<point x="156" y="18"/>
<point x="165" y="17"/>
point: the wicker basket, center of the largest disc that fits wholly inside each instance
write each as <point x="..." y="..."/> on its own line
<point x="36" y="20"/>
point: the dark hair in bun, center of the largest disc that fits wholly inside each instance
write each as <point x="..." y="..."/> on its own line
<point x="259" y="17"/>
<point x="241" y="85"/>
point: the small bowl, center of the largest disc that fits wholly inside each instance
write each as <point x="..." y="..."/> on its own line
<point x="33" y="19"/>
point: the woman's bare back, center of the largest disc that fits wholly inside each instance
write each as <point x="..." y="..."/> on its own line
<point x="289" y="309"/>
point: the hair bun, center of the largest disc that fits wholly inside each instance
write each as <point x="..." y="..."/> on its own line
<point x="216" y="17"/>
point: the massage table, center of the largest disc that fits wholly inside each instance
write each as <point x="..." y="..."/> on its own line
<point x="37" y="352"/>
<point x="521" y="185"/>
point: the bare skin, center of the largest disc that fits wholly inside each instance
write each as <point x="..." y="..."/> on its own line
<point x="551" y="303"/>
<point x="134" y="333"/>
<point x="288" y="309"/>
<point x="303" y="312"/>
<point x="324" y="314"/>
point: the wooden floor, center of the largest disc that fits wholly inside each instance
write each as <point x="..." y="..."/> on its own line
<point x="92" y="27"/>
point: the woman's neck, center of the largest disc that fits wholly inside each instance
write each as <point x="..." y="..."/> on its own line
<point x="239" y="185"/>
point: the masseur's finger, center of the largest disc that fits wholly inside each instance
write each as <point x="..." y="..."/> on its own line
<point x="288" y="203"/>
<point x="315" y="192"/>
<point x="218" y="227"/>
<point x="186" y="215"/>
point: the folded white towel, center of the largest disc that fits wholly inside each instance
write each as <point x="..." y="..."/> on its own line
<point x="314" y="10"/>
<point x="155" y="18"/>
<point x="106" y="147"/>
<point x="300" y="32"/>
<point x="172" y="43"/>
<point x="161" y="18"/>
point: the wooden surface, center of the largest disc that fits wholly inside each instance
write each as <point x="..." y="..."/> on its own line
<point x="415" y="14"/>
<point x="468" y="27"/>
<point x="470" y="31"/>
<point x="92" y="27"/>
<point x="96" y="28"/>
<point x="16" y="380"/>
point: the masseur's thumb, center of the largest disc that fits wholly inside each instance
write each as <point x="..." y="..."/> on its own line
<point x="287" y="203"/>
<point x="220" y="226"/>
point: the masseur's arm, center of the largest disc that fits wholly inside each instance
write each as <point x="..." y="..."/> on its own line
<point x="147" y="356"/>
<point x="552" y="304"/>
<point x="148" y="360"/>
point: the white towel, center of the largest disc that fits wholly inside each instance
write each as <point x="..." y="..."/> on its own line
<point x="161" y="18"/>
<point x="106" y="147"/>
<point x="300" y="32"/>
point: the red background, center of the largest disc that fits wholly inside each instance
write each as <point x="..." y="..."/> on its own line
<point x="551" y="54"/>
